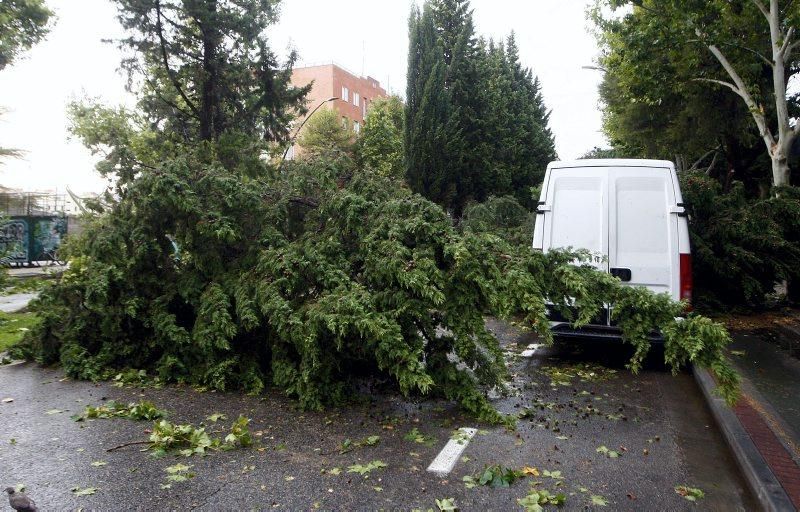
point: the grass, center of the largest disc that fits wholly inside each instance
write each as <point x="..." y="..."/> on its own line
<point x="13" y="327"/>
<point x="24" y="284"/>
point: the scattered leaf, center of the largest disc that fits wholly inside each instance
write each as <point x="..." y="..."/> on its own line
<point x="99" y="463"/>
<point x="364" y="470"/>
<point x="446" y="505"/>
<point x="527" y="470"/>
<point x="598" y="500"/>
<point x="690" y="493"/>
<point x="77" y="491"/>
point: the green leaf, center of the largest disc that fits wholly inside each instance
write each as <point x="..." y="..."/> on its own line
<point x="598" y="500"/>
<point x="446" y="505"/>
<point x="690" y="493"/>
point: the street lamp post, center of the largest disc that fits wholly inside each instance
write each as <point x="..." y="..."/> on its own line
<point x="297" y="132"/>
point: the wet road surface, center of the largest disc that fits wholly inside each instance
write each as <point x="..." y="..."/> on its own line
<point x="656" y="422"/>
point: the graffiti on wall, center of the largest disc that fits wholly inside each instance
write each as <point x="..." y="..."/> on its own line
<point x="46" y="237"/>
<point x="23" y="240"/>
<point x="14" y="240"/>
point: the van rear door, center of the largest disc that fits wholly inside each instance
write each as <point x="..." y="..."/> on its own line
<point x="621" y="213"/>
<point x="643" y="232"/>
<point x="576" y="211"/>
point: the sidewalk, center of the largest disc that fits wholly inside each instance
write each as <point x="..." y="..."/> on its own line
<point x="768" y="418"/>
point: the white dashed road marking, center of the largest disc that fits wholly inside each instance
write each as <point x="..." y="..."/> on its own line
<point x="447" y="458"/>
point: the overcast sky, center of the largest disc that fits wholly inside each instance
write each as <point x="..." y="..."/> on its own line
<point x="365" y="36"/>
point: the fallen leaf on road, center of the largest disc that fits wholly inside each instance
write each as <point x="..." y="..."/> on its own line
<point x="77" y="491"/>
<point x="690" y="493"/>
<point x="54" y="411"/>
<point x="7" y="400"/>
<point x="598" y="500"/>
<point x="527" y="470"/>
<point x="99" y="463"/>
<point x="446" y="505"/>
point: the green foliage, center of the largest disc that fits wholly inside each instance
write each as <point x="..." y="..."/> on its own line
<point x="239" y="435"/>
<point x="324" y="136"/>
<point x="690" y="493"/>
<point x="380" y="145"/>
<point x="23" y="23"/>
<point x="143" y="410"/>
<point x="740" y="247"/>
<point x="208" y="71"/>
<point x="475" y="120"/>
<point x="206" y="266"/>
<point x="414" y="435"/>
<point x="187" y="440"/>
<point x="494" y="476"/>
<point x="659" y="102"/>
<point x="501" y="215"/>
<point x="365" y="469"/>
<point x="14" y="327"/>
<point x="534" y="500"/>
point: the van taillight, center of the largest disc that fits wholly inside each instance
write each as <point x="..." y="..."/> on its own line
<point x="686" y="279"/>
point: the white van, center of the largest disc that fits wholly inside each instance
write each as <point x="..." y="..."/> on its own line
<point x="631" y="213"/>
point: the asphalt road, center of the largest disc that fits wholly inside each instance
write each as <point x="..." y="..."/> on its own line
<point x="657" y="422"/>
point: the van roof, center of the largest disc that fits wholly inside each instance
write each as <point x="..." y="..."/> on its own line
<point x="612" y="162"/>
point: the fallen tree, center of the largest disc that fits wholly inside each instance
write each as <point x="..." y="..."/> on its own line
<point x="315" y="278"/>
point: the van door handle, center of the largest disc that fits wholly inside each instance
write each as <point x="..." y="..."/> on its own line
<point x="624" y="274"/>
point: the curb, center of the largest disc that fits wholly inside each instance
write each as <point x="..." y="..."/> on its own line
<point x="759" y="476"/>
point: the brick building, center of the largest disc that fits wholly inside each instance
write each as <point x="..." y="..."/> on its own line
<point x="354" y="93"/>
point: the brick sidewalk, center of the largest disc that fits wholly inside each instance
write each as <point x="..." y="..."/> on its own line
<point x="778" y="458"/>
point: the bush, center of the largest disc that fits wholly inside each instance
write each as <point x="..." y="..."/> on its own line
<point x="741" y="248"/>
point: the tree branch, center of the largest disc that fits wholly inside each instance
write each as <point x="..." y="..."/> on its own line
<point x="165" y="58"/>
<point x="787" y="42"/>
<point x="700" y="160"/>
<point x="756" y="110"/>
<point x="754" y="52"/>
<point x="720" y="82"/>
<point x="762" y="8"/>
<point x="123" y="445"/>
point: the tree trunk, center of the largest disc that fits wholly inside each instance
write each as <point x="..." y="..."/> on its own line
<point x="780" y="168"/>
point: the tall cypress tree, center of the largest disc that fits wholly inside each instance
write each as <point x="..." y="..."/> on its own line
<point x="488" y="133"/>
<point x="427" y="127"/>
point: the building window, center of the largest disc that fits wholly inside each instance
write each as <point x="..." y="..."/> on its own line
<point x="344" y="123"/>
<point x="345" y="93"/>
<point x="356" y="99"/>
<point x="364" y="108"/>
<point x="356" y="127"/>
